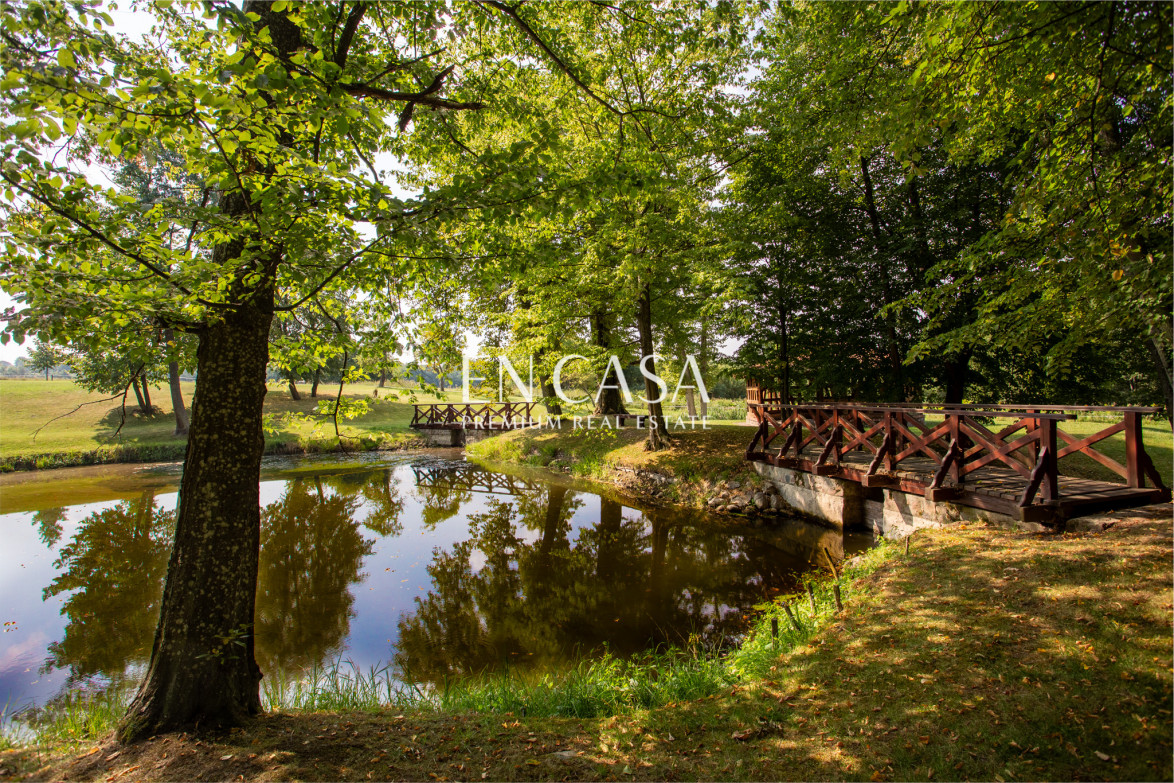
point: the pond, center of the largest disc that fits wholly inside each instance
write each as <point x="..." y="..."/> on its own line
<point x="433" y="565"/>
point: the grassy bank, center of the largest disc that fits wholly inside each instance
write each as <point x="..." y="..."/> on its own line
<point x="984" y="654"/>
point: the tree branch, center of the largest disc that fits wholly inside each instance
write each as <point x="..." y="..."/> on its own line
<point x="348" y="33"/>
<point x="529" y="32"/>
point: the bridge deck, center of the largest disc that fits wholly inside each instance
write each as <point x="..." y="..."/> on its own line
<point x="993" y="489"/>
<point x="959" y="454"/>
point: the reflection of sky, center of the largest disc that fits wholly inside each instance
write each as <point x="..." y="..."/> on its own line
<point x="26" y="568"/>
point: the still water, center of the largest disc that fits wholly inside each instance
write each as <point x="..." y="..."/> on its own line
<point x="432" y="564"/>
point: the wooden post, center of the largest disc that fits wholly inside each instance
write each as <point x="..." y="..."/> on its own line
<point x="891" y="440"/>
<point x="1047" y="435"/>
<point x="908" y="538"/>
<point x="791" y="617"/>
<point x="1134" y="474"/>
<point x="955" y="421"/>
<point x="811" y="597"/>
<point x="774" y="630"/>
<point x="836" y="593"/>
<point x="827" y="556"/>
<point x="1032" y="427"/>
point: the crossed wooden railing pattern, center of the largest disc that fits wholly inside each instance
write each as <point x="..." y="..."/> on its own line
<point x="957" y="447"/>
<point x="470" y="478"/>
<point x="480" y="415"/>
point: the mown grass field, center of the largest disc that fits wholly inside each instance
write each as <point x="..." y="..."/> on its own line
<point x="71" y="419"/>
<point x="984" y="654"/>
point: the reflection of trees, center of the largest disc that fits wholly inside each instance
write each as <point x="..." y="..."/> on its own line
<point x="441" y="501"/>
<point x="386" y="505"/>
<point x="48" y="522"/>
<point x="115" y="564"/>
<point x="630" y="583"/>
<point x="311" y="553"/>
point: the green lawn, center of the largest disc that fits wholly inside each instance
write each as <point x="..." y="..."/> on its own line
<point x="71" y="419"/>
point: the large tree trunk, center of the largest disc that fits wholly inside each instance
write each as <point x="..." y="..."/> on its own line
<point x="146" y="396"/>
<point x="610" y="402"/>
<point x="896" y="391"/>
<point x="293" y="389"/>
<point x="382" y="378"/>
<point x="317" y="377"/>
<point x="690" y="401"/>
<point x="703" y="359"/>
<point x="657" y="427"/>
<point x="553" y="406"/>
<point x="202" y="666"/>
<point x="783" y="314"/>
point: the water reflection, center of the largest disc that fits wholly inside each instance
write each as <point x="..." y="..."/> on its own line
<point x="443" y="567"/>
<point x="312" y="552"/>
<point x="520" y="587"/>
<point x="49" y="527"/>
<point x="113" y="571"/>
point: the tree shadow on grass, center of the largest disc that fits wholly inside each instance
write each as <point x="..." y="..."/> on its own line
<point x="1000" y="655"/>
<point x="117" y="425"/>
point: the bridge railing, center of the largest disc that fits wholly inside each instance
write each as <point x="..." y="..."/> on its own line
<point x="963" y="442"/>
<point x="481" y="415"/>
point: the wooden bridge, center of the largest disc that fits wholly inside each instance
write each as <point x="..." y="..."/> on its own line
<point x="473" y="416"/>
<point x="1002" y="458"/>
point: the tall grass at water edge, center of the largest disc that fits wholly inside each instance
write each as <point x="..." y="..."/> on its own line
<point x="594" y="688"/>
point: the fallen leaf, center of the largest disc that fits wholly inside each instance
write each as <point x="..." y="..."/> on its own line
<point x="1101" y="756"/>
<point x="565" y="754"/>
